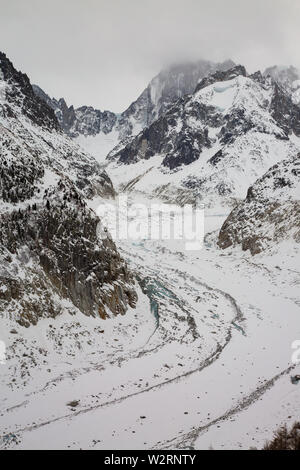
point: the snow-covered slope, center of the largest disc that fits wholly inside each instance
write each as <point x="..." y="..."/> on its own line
<point x="204" y="357"/>
<point x="167" y="87"/>
<point x="270" y="212"/>
<point x="212" y="144"/>
<point x="208" y="366"/>
<point x="49" y="248"/>
<point x="288" y="77"/>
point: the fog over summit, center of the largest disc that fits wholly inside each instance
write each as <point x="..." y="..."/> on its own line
<point x="104" y="53"/>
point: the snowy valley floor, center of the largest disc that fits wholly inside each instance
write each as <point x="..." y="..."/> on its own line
<point x="203" y="361"/>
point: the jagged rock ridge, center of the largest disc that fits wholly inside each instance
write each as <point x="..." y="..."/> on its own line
<point x="215" y="141"/>
<point x="163" y="90"/>
<point x="270" y="213"/>
<point x="51" y="257"/>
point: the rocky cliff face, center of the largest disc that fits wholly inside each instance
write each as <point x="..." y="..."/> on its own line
<point x="50" y="255"/>
<point x="50" y="251"/>
<point x="19" y="92"/>
<point x="284" y="111"/>
<point x="85" y="120"/>
<point x="216" y="141"/>
<point x="270" y="213"/>
<point x="167" y="87"/>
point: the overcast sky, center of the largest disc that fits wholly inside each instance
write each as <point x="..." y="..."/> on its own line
<point x="104" y="52"/>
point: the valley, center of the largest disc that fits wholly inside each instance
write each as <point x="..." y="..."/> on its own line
<point x="200" y="377"/>
<point x="141" y="343"/>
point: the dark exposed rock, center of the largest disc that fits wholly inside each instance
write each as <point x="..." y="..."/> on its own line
<point x="257" y="77"/>
<point x="221" y="76"/>
<point x="19" y="178"/>
<point x="61" y="236"/>
<point x="162" y="137"/>
<point x="173" y="136"/>
<point x="84" y="120"/>
<point x="288" y="78"/>
<point x="270" y="212"/>
<point x="65" y="115"/>
<point x="216" y="158"/>
<point x="221" y="116"/>
<point x="285" y="112"/>
<point x="17" y="139"/>
<point x="51" y="259"/>
<point x="73" y="403"/>
<point x="236" y="123"/>
<point x="187" y="148"/>
<point x="165" y="89"/>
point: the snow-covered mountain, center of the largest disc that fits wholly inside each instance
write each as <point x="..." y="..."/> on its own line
<point x="270" y="213"/>
<point x="213" y="143"/>
<point x="201" y="341"/>
<point x="51" y="258"/>
<point x="288" y="78"/>
<point x="99" y="131"/>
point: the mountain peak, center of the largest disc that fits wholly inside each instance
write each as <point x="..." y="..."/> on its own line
<point x="288" y="77"/>
<point x="221" y="76"/>
<point x="171" y="84"/>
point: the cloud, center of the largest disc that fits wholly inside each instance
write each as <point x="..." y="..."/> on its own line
<point x="104" y="52"/>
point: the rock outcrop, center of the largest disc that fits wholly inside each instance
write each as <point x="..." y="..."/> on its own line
<point x="51" y="258"/>
<point x="20" y="92"/>
<point x="81" y="121"/>
<point x="53" y="242"/>
<point x="288" y="78"/>
<point x="270" y="213"/>
<point x="220" y="138"/>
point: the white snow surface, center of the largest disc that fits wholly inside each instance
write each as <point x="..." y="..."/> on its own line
<point x="205" y="359"/>
<point x="213" y="370"/>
